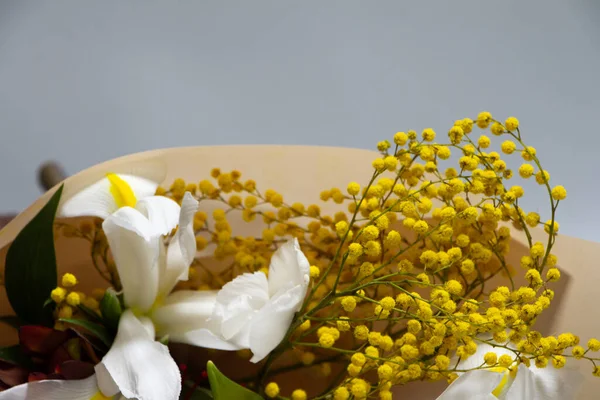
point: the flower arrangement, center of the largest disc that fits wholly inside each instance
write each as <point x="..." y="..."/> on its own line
<point x="411" y="280"/>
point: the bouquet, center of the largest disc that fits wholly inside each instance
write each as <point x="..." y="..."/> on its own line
<point x="410" y="278"/>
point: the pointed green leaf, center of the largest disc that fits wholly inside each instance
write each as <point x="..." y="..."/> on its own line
<point x="198" y="393"/>
<point x="164" y="340"/>
<point x="30" y="270"/>
<point x="224" y="388"/>
<point x="91" y="314"/>
<point x="14" y="355"/>
<point x="95" y="344"/>
<point x="110" y="307"/>
<point x="96" y="329"/>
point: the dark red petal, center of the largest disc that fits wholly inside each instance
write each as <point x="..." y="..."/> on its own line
<point x="13" y="375"/>
<point x="76" y="370"/>
<point x="36" y="376"/>
<point x="59" y="356"/>
<point x="40" y="339"/>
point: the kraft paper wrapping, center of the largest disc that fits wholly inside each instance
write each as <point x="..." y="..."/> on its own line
<point x="300" y="173"/>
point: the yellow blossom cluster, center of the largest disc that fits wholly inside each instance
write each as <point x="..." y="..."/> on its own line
<point x="412" y="273"/>
<point x="68" y="301"/>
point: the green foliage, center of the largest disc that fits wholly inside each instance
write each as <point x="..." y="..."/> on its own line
<point x="30" y="271"/>
<point x="224" y="388"/>
<point x="110" y="308"/>
<point x="97" y="330"/>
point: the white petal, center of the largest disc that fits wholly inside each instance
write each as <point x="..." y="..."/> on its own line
<point x="83" y="389"/>
<point x="473" y="385"/>
<point x="182" y="249"/>
<point x="141" y="187"/>
<point x="108" y="386"/>
<point x="288" y="265"/>
<point x="545" y="384"/>
<point x="130" y="219"/>
<point x="192" y="296"/>
<point x="136" y="253"/>
<point x="476" y="360"/>
<point x="270" y="324"/>
<point x="184" y="311"/>
<point x="184" y="317"/>
<point x="139" y="366"/>
<point x="523" y="386"/>
<point x="238" y="301"/>
<point x="204" y="338"/>
<point x="97" y="200"/>
<point x="161" y="212"/>
<point x="185" y="237"/>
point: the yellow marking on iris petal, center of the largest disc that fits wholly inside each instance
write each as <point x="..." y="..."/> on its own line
<point x="505" y="379"/>
<point x="100" y="396"/>
<point x="137" y="312"/>
<point x="159" y="301"/>
<point x="121" y="191"/>
<point x="496" y="392"/>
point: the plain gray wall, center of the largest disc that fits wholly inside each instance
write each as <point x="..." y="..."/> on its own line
<point x="82" y="82"/>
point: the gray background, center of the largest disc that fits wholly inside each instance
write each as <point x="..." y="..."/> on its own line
<point x="83" y="82"/>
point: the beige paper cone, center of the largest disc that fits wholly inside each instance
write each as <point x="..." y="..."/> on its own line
<point x="300" y="173"/>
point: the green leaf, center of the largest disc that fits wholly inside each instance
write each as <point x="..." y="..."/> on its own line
<point x="198" y="393"/>
<point x="14" y="355"/>
<point x="30" y="270"/>
<point x="110" y="307"/>
<point x="224" y="388"/>
<point x="164" y="340"/>
<point x="96" y="345"/>
<point x="96" y="329"/>
<point x="91" y="314"/>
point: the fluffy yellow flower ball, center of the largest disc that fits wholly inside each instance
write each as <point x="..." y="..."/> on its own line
<point x="272" y="390"/>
